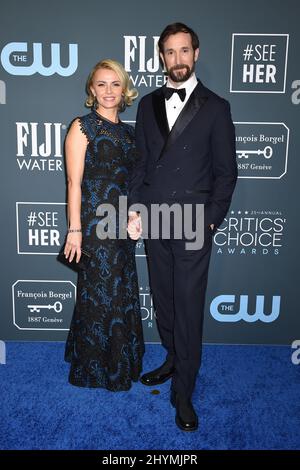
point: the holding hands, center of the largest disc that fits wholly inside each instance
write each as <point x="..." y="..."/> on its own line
<point x="134" y="227"/>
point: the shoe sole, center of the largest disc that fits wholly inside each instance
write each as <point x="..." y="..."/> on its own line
<point x="185" y="429"/>
<point x="178" y="423"/>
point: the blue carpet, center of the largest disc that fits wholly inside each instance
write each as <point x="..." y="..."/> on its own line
<point x="247" y="397"/>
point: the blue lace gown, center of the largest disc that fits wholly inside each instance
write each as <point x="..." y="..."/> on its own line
<point x="105" y="343"/>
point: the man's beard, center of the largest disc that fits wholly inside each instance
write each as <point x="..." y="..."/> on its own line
<point x="183" y="75"/>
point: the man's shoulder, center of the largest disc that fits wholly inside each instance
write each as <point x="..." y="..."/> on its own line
<point x="149" y="96"/>
<point x="214" y="98"/>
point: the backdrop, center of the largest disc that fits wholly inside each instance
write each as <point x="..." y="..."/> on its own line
<point x="249" y="54"/>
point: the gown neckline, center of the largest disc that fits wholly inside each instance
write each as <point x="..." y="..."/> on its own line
<point x="102" y="118"/>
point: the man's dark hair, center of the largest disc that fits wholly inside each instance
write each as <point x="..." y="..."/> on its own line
<point x="175" y="28"/>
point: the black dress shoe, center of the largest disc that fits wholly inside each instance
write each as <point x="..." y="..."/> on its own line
<point x="186" y="418"/>
<point x="158" y="376"/>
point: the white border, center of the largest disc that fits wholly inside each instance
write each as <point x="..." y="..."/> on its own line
<point x="285" y="67"/>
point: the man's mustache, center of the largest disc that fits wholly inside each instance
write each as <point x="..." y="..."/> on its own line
<point x="179" y="66"/>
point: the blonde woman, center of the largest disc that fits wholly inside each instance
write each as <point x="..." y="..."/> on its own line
<point x="105" y="343"/>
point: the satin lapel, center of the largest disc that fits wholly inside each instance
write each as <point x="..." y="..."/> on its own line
<point x="159" y="108"/>
<point x="194" y="104"/>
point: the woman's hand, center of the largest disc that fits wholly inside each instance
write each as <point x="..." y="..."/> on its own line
<point x="134" y="227"/>
<point x="73" y="246"/>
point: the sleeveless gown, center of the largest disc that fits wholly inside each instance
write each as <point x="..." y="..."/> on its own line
<point x="105" y="343"/>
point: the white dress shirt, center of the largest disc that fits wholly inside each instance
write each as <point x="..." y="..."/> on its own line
<point x="174" y="105"/>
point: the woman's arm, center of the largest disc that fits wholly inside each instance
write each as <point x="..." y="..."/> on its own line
<point x="75" y="146"/>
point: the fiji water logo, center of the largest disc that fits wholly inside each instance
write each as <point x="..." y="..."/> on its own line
<point x="15" y="60"/>
<point x="224" y="309"/>
<point x="141" y="61"/>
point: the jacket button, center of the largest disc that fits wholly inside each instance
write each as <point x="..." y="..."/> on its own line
<point x="173" y="193"/>
<point x="185" y="147"/>
<point x="176" y="169"/>
<point x="158" y="166"/>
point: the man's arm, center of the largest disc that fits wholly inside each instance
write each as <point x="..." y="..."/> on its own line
<point x="224" y="166"/>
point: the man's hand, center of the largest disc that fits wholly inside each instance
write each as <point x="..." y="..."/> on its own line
<point x="212" y="226"/>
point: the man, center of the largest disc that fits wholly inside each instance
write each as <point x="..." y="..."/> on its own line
<point x="186" y="141"/>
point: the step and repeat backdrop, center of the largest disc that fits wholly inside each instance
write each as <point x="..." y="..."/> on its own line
<point x="249" y="54"/>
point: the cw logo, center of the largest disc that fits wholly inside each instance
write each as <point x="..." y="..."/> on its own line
<point x="221" y="311"/>
<point x="16" y="48"/>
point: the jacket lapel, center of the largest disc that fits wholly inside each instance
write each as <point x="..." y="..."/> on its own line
<point x="159" y="108"/>
<point x="194" y="104"/>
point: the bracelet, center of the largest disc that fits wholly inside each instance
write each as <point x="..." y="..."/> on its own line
<point x="74" y="230"/>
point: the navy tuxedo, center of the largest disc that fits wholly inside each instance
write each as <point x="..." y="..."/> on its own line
<point x="194" y="163"/>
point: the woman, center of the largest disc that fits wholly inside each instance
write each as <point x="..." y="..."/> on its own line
<point x="105" y="343"/>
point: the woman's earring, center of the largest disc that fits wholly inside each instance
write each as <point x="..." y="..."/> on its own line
<point x="122" y="105"/>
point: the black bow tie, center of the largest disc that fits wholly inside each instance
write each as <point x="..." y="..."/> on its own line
<point x="168" y="92"/>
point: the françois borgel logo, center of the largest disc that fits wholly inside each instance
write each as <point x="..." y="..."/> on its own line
<point x="41" y="227"/>
<point x="251" y="233"/>
<point x="231" y="308"/>
<point x="259" y="63"/>
<point x="18" y="58"/>
<point x="43" y="304"/>
<point x="141" y="61"/>
<point x="262" y="149"/>
<point x="39" y="146"/>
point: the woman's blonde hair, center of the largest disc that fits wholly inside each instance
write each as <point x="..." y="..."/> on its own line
<point x="130" y="94"/>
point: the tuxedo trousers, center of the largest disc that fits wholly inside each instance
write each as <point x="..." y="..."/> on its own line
<point x="178" y="281"/>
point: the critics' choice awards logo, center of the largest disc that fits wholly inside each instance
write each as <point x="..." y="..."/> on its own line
<point x="262" y="149"/>
<point x="18" y="58"/>
<point x="258" y="63"/>
<point x="141" y="61"/>
<point x="140" y="248"/>
<point x="41" y="227"/>
<point x="148" y="314"/>
<point x="251" y="232"/>
<point x="147" y="309"/>
<point x="234" y="308"/>
<point x="43" y="304"/>
<point x="39" y="146"/>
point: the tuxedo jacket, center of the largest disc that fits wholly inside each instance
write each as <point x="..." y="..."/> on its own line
<point x="194" y="163"/>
